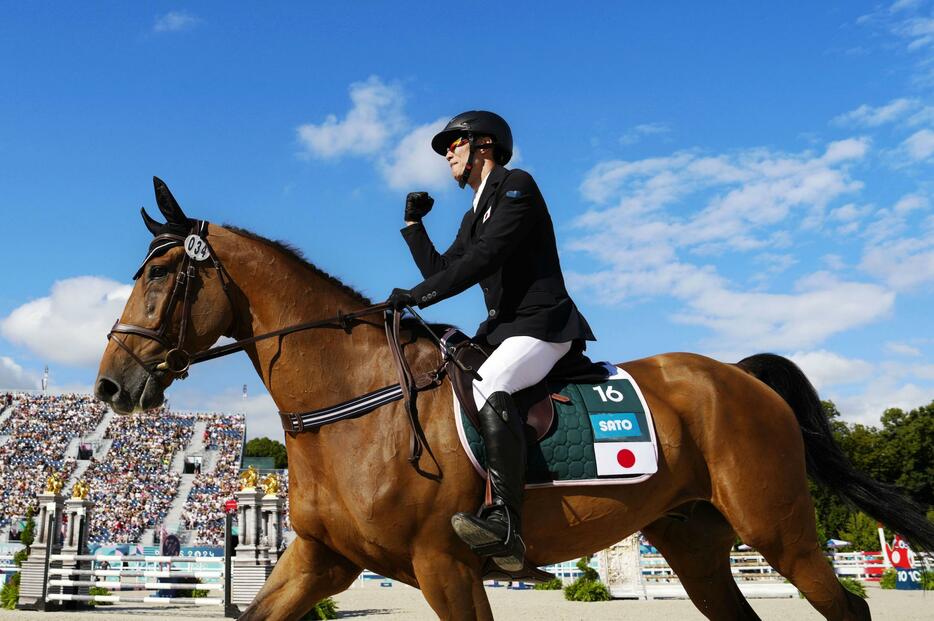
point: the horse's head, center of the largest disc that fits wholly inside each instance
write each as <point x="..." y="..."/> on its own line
<point x="180" y="305"/>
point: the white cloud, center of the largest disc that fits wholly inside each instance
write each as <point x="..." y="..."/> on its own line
<point x="376" y="129"/>
<point x="413" y="164"/>
<point x="657" y="216"/>
<point x="904" y="264"/>
<point x="843" y="150"/>
<point x="639" y="132"/>
<point x="909" y="203"/>
<point x="849" y="212"/>
<point x="901" y="5"/>
<point x="924" y="116"/>
<point x="920" y="145"/>
<point x="376" y="115"/>
<point x="14" y="377"/>
<point x="783" y="321"/>
<point x="71" y="323"/>
<point x="900" y="244"/>
<point x="825" y="368"/>
<point x="874" y="116"/>
<point x="880" y="394"/>
<point x="175" y="21"/>
<point x="751" y="191"/>
<point x="918" y="30"/>
<point x="901" y="349"/>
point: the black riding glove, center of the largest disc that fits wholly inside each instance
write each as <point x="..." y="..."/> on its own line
<point x="417" y="206"/>
<point x="400" y="298"/>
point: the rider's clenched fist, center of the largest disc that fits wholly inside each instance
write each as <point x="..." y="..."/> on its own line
<point x="417" y="206"/>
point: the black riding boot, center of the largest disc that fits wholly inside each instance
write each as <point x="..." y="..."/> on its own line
<point x="495" y="530"/>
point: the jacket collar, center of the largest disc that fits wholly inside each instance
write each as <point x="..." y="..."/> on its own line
<point x="489" y="190"/>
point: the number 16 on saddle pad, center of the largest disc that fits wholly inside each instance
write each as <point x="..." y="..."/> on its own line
<point x="624" y="436"/>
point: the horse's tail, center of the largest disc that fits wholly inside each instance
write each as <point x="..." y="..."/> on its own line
<point x="827" y="464"/>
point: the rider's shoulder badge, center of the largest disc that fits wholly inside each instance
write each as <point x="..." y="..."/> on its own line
<point x="513" y="194"/>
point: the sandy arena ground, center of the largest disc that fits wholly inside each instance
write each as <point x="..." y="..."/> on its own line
<point x="401" y="602"/>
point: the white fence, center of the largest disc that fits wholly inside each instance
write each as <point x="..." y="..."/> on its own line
<point x="135" y="573"/>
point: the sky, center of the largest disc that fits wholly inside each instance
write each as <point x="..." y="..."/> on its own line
<point x="724" y="179"/>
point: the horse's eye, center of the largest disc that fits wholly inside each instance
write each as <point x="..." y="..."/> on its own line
<point x="157" y="271"/>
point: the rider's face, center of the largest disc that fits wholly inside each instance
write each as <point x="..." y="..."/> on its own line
<point x="457" y="156"/>
<point x="459" y="152"/>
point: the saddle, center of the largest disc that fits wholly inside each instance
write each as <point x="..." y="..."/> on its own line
<point x="535" y="403"/>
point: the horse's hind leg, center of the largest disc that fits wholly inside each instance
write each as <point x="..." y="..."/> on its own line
<point x="761" y="489"/>
<point x="698" y="550"/>
<point x="306" y="573"/>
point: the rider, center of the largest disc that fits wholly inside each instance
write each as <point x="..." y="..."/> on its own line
<point x="506" y="243"/>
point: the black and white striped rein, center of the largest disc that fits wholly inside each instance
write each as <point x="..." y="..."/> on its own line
<point x="296" y="422"/>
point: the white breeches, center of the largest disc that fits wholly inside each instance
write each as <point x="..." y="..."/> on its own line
<point x="519" y="362"/>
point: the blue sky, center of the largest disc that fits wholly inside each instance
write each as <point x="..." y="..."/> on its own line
<point x="723" y="179"/>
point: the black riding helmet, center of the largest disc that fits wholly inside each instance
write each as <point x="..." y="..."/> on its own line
<point x="473" y="124"/>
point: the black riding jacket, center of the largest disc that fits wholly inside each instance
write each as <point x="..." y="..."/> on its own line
<point x="508" y="246"/>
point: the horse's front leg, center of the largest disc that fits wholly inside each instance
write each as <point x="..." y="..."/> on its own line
<point x="452" y="585"/>
<point x="306" y="573"/>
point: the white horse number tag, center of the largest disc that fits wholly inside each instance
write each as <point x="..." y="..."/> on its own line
<point x="196" y="248"/>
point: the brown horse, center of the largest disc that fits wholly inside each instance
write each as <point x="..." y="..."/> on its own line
<point x="736" y="444"/>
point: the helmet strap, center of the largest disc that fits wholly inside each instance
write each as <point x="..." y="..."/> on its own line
<point x="468" y="167"/>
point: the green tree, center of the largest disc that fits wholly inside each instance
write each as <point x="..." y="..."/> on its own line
<point x="861" y="531"/>
<point x="264" y="447"/>
<point x="901" y="453"/>
<point x="9" y="594"/>
<point x="587" y="588"/>
<point x="908" y="451"/>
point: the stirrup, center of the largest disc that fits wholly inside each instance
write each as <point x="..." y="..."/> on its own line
<point x="496" y="547"/>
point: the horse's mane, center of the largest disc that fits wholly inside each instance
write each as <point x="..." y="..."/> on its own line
<point x="294" y="253"/>
<point x="291" y="251"/>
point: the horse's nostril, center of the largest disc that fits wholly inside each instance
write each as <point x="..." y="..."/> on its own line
<point x="107" y="389"/>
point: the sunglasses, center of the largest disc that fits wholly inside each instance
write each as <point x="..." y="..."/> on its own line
<point x="458" y="143"/>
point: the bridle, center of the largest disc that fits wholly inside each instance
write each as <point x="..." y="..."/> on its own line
<point x="177" y="360"/>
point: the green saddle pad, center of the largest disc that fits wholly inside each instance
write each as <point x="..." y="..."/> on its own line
<point x="604" y="434"/>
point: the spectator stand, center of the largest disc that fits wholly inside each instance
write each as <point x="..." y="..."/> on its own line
<point x="59" y="571"/>
<point x="39" y="429"/>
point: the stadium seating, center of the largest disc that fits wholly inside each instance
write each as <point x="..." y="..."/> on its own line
<point x="40" y="429"/>
<point x="135" y="481"/>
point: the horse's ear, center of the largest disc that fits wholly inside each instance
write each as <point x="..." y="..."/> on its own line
<point x="167" y="203"/>
<point x="153" y="225"/>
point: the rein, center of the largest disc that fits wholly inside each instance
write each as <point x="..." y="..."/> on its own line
<point x="177" y="361"/>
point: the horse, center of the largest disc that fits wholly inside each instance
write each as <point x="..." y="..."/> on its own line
<point x="736" y="442"/>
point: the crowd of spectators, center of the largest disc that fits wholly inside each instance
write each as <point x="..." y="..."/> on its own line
<point x="204" y="509"/>
<point x="40" y="427"/>
<point x="133" y="485"/>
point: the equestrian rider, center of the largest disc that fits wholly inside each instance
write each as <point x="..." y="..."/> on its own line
<point x="506" y="243"/>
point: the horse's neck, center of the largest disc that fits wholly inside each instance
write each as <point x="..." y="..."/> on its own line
<point x="309" y="369"/>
